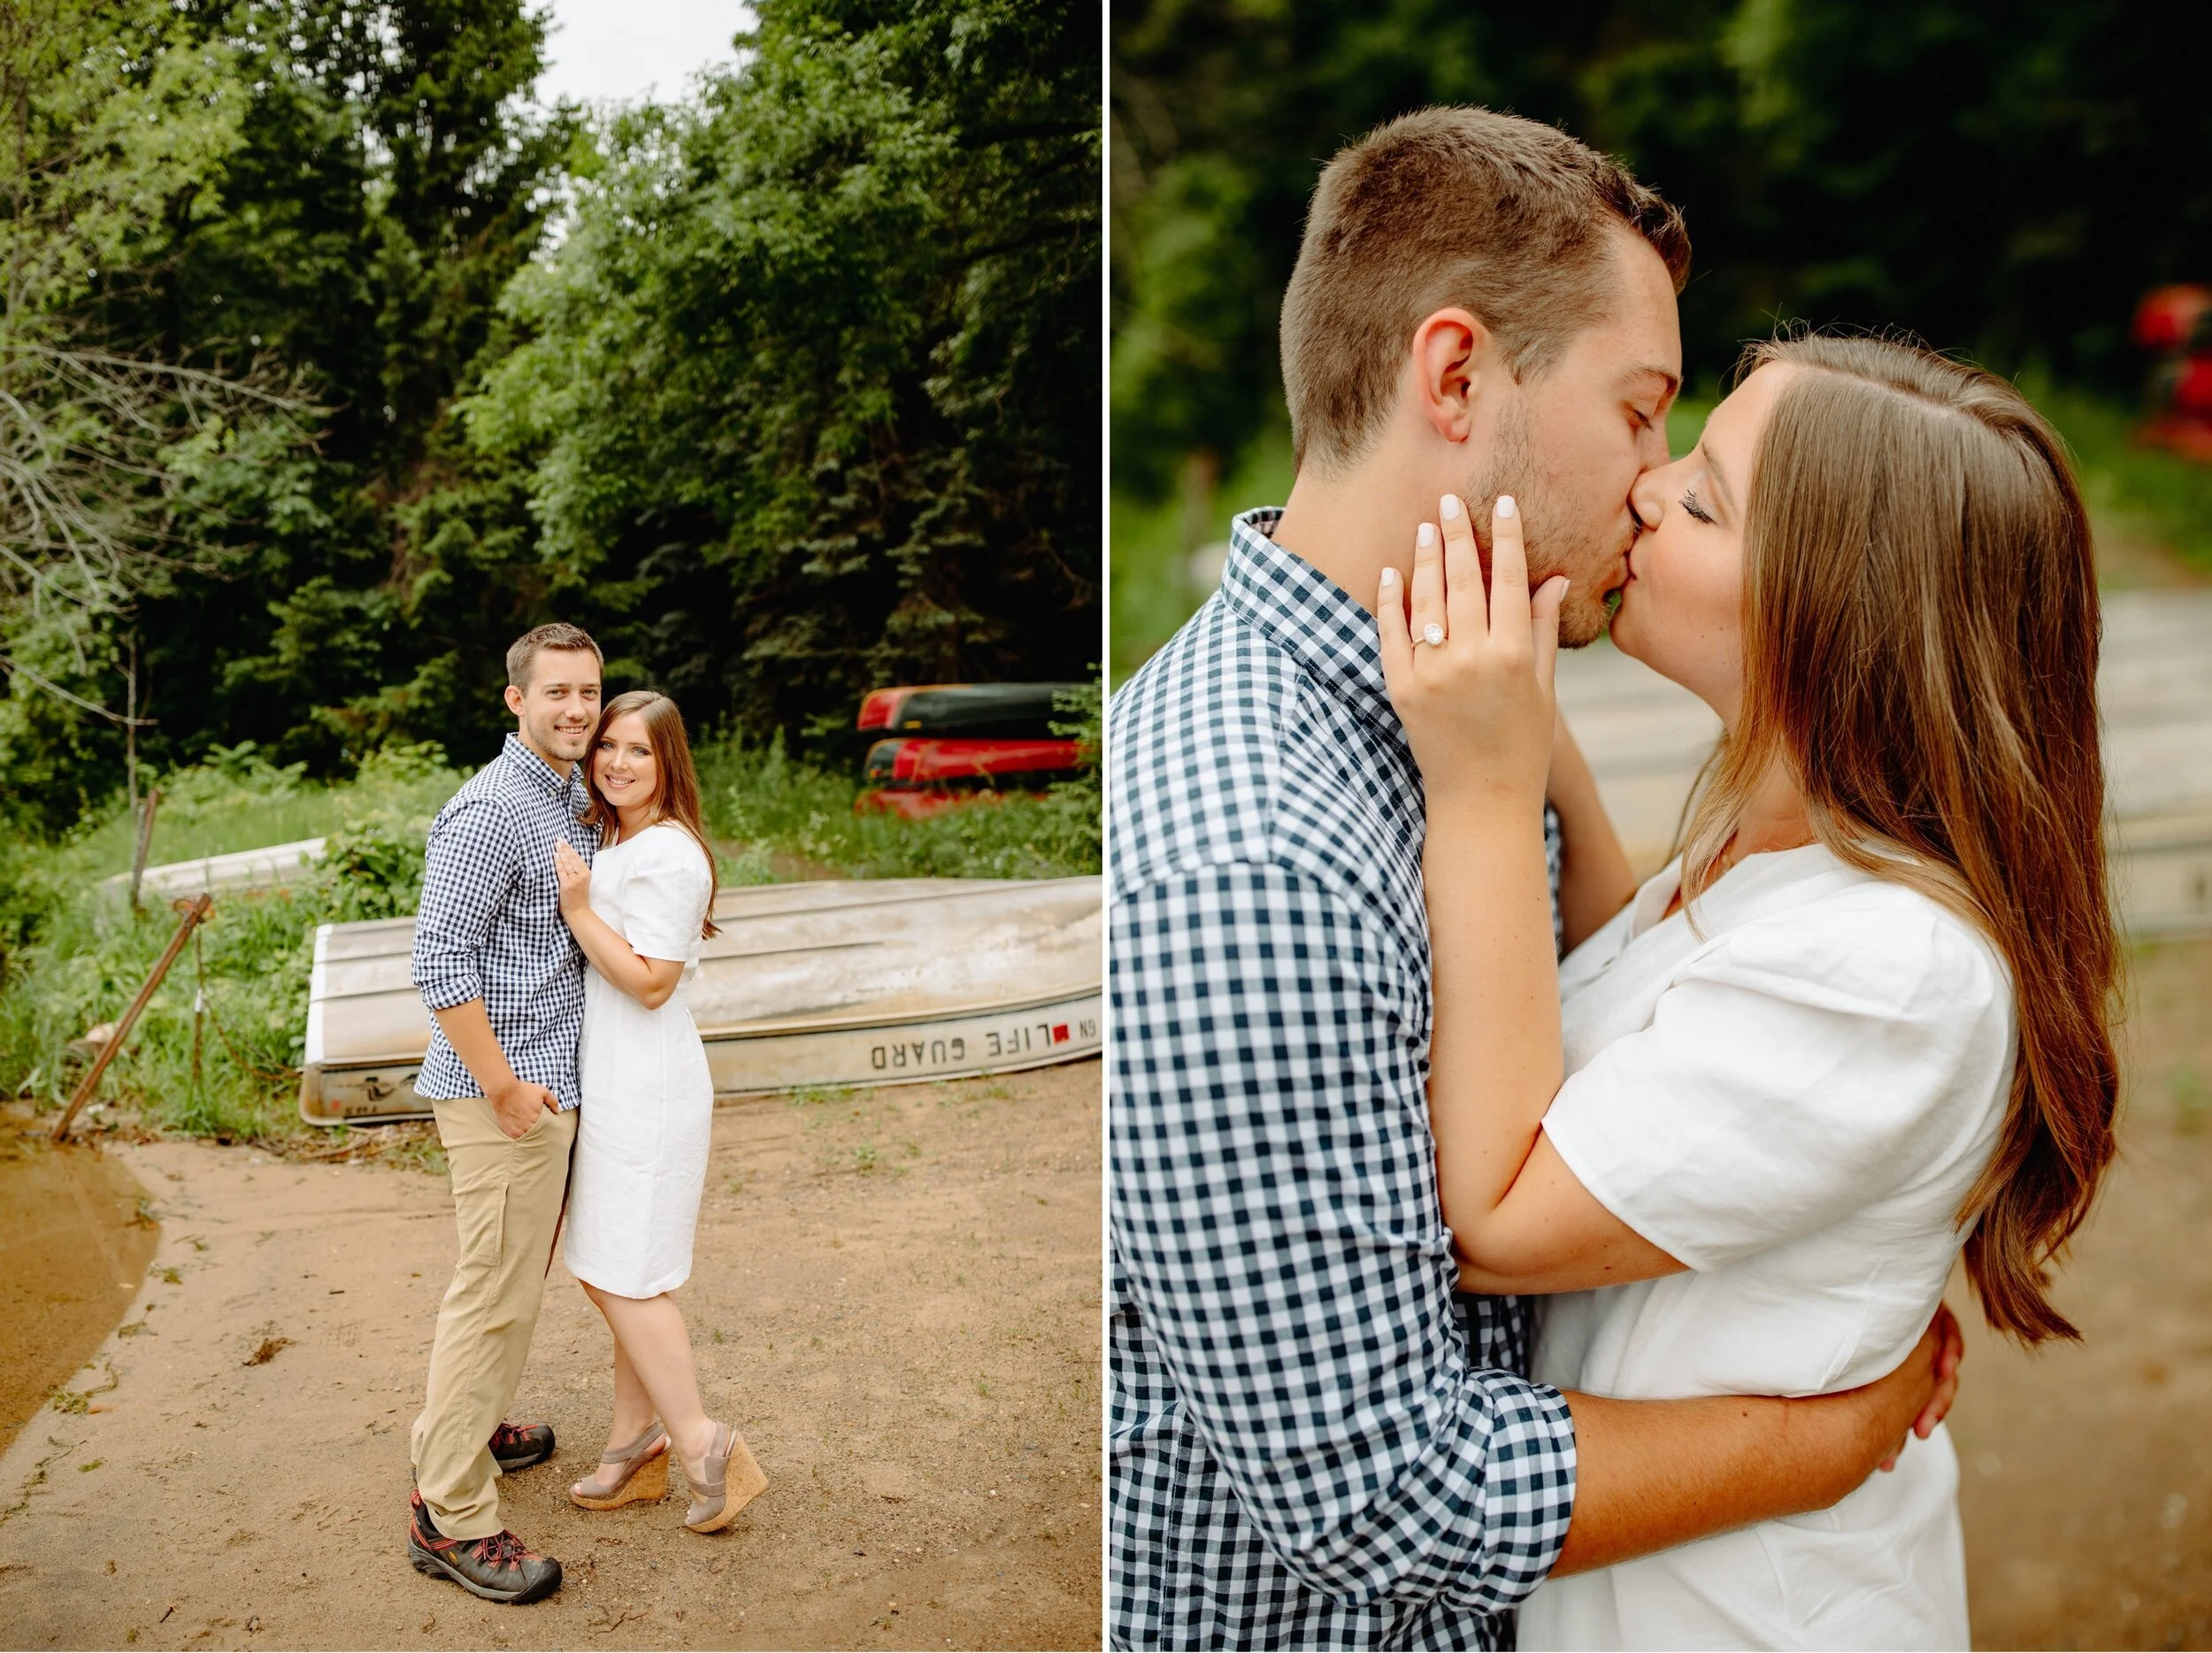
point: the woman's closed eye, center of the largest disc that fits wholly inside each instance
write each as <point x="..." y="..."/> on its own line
<point x="1690" y="504"/>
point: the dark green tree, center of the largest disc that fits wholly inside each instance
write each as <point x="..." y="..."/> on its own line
<point x="2002" y="178"/>
<point x="114" y="118"/>
<point x="392" y="178"/>
<point x="804" y="400"/>
<point x="810" y="394"/>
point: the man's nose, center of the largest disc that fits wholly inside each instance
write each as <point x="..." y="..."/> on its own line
<point x="1645" y="503"/>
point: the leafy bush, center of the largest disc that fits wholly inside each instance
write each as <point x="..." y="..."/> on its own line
<point x="76" y="953"/>
<point x="372" y="871"/>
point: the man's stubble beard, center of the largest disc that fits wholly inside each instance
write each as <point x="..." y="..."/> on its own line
<point x="550" y="741"/>
<point x="1551" y="549"/>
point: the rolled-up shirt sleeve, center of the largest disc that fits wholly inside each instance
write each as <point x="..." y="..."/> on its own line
<point x="1274" y="1205"/>
<point x="473" y="857"/>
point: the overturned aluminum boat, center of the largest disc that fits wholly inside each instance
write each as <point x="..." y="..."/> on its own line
<point x="270" y="868"/>
<point x="872" y="982"/>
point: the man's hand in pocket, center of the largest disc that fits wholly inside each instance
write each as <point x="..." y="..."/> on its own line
<point x="518" y="1107"/>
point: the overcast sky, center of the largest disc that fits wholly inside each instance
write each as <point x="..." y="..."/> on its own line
<point x="629" y="48"/>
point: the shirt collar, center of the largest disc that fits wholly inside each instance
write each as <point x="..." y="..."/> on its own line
<point x="537" y="772"/>
<point x="1307" y="615"/>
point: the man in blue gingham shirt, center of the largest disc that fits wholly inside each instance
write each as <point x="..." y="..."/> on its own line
<point x="490" y="927"/>
<point x="503" y="981"/>
<point x="1306" y="1452"/>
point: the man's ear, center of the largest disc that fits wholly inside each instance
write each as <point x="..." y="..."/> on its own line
<point x="514" y="700"/>
<point x="1452" y="359"/>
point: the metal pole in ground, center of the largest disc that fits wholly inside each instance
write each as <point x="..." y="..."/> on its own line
<point x="195" y="910"/>
<point x="145" y="841"/>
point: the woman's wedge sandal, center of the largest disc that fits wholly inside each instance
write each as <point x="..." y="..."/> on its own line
<point x="640" y="1474"/>
<point x="729" y="1480"/>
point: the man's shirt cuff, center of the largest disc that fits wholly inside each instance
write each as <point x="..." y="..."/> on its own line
<point x="1528" y="1486"/>
<point x="447" y="988"/>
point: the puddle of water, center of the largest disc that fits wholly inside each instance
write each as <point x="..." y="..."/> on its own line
<point x="73" y="1252"/>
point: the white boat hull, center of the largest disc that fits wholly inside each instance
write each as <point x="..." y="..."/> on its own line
<point x="270" y="868"/>
<point x="888" y="981"/>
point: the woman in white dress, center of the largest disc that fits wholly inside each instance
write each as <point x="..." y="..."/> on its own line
<point x="639" y="912"/>
<point x="1752" y="1140"/>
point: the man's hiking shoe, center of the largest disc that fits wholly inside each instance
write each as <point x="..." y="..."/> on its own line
<point x="518" y="1445"/>
<point x="499" y="1568"/>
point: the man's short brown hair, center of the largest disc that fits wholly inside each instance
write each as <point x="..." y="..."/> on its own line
<point x="1502" y="216"/>
<point x="523" y="655"/>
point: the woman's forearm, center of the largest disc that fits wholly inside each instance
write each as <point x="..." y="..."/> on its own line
<point x="1595" y="881"/>
<point x="1493" y="1054"/>
<point x="648" y="980"/>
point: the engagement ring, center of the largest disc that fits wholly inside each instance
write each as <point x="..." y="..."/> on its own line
<point x="1432" y="634"/>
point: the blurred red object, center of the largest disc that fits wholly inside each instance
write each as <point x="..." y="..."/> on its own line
<point x="880" y="708"/>
<point x="970" y="741"/>
<point x="2166" y="318"/>
<point x="970" y="711"/>
<point x="2192" y="387"/>
<point x="921" y="762"/>
<point x="2175" y="324"/>
<point x="913" y="778"/>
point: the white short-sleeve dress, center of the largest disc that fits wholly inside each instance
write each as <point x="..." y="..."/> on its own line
<point x="1794" y="1103"/>
<point x="642" y="1135"/>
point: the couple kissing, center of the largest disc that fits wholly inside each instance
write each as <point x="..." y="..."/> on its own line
<point x="1501" y="1247"/>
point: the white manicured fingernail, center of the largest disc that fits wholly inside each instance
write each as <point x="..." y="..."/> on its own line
<point x="1425" y="535"/>
<point x="1389" y="579"/>
<point x="1506" y="507"/>
<point x="1449" y="506"/>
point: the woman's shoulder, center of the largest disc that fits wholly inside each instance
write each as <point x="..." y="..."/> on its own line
<point x="1864" y="937"/>
<point x="670" y="843"/>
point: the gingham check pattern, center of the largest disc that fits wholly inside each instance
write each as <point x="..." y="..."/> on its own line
<point x="490" y="924"/>
<point x="1303" y="1452"/>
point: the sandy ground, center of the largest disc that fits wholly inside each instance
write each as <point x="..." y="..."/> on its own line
<point x="2088" y="1471"/>
<point x="917" y="1332"/>
<point x="895" y="1294"/>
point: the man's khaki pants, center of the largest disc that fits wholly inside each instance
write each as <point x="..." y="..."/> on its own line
<point x="507" y="1199"/>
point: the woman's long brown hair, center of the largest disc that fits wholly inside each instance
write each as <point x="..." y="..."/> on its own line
<point x="1921" y="630"/>
<point x="678" y="797"/>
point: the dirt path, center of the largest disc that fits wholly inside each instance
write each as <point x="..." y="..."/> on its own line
<point x="896" y="1292"/>
<point x="2088" y="1471"/>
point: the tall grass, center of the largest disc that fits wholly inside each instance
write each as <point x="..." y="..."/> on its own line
<point x="1153" y="592"/>
<point x="217" y="1050"/>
